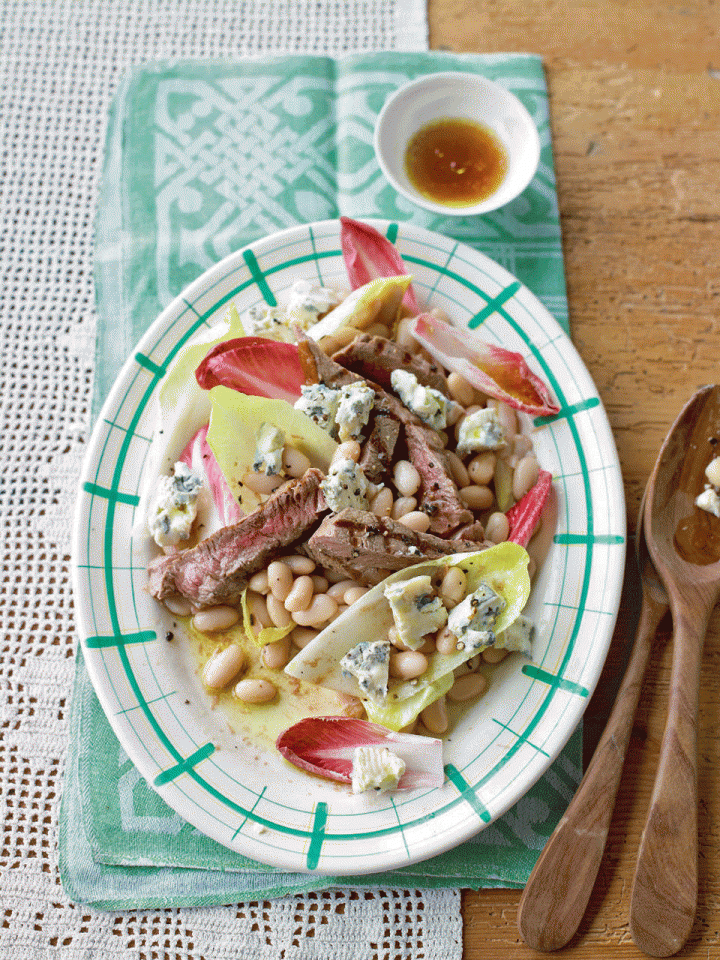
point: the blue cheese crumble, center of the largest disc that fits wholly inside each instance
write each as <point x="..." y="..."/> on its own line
<point x="481" y="430"/>
<point x="320" y="403"/>
<point x="369" y="663"/>
<point x="173" y="509"/>
<point x="473" y="619"/>
<point x="305" y="304"/>
<point x="517" y="637"/>
<point x="376" y="768"/>
<point x="345" y="486"/>
<point x="270" y="443"/>
<point x="416" y="610"/>
<point x="430" y="405"/>
<point x="353" y="412"/>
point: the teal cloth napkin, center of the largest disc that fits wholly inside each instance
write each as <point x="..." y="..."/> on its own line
<point x="201" y="159"/>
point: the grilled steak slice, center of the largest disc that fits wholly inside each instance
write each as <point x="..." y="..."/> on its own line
<point x="375" y="358"/>
<point x="358" y="545"/>
<point x="439" y="494"/>
<point x="378" y="449"/>
<point x="217" y="569"/>
<point x="472" y="531"/>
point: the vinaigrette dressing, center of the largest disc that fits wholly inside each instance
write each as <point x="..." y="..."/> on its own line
<point x="455" y="162"/>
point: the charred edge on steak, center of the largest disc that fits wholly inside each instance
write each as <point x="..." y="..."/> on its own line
<point x="375" y="358"/>
<point x="378" y="449"/>
<point x="439" y="497"/>
<point x="363" y="547"/>
<point x="218" y="569"/>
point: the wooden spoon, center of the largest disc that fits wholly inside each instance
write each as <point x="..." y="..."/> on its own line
<point x="684" y="543"/>
<point x="558" y="890"/>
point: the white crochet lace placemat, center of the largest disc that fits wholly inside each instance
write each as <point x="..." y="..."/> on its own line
<point x="60" y="62"/>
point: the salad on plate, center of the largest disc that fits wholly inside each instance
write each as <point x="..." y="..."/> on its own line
<point x="341" y="493"/>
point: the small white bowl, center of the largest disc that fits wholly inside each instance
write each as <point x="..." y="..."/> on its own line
<point x="457" y="95"/>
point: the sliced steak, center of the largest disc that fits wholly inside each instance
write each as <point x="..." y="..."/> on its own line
<point x="375" y="358"/>
<point x="358" y="545"/>
<point x="439" y="497"/>
<point x="377" y="451"/>
<point x="471" y="531"/>
<point x="217" y="569"/>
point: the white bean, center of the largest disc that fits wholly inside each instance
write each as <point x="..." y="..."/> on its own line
<point x="338" y="590"/>
<point x="349" y="450"/>
<point x="179" y="606"/>
<point x="378" y="330"/>
<point x="407" y="664"/>
<point x="494" y="654"/>
<point x="353" y="594"/>
<point x="259" y="582"/>
<point x="481" y="468"/>
<point x="261" y="483"/>
<point x="459" y="389"/>
<point x="254" y="690"/>
<point x="457" y="468"/>
<point x="258" y="610"/>
<point x="295" y="463"/>
<point x="299" y="565"/>
<point x="454" y="585"/>
<point x="446" y="641"/>
<point x="276" y="655"/>
<point x="382" y="503"/>
<point x="320" y="583"/>
<point x="223" y="666"/>
<point x="497" y="528"/>
<point x="416" y="520"/>
<point x="322" y="608"/>
<point x="477" y="498"/>
<point x="435" y="718"/>
<point x="406" y="478"/>
<point x="467" y="687"/>
<point x="402" y="506"/>
<point x="301" y="594"/>
<point x="403" y="336"/>
<point x="521" y="445"/>
<point x="278" y="614"/>
<point x="280" y="579"/>
<point x="525" y="476"/>
<point x="215" y="619"/>
<point x="301" y="636"/>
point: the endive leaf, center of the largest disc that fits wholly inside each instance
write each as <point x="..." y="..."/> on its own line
<point x="376" y="302"/>
<point x="499" y="373"/>
<point x="368" y="255"/>
<point x="253" y="365"/>
<point x="266" y="634"/>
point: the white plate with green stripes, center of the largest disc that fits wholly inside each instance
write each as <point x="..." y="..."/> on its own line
<point x="251" y="800"/>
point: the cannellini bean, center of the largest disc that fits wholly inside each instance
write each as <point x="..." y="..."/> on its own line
<point x="261" y="483"/>
<point x="407" y="664"/>
<point x="426" y="647"/>
<point x="497" y="528"/>
<point x="521" y="445"/>
<point x="402" y="506"/>
<point x="276" y="655"/>
<point x="494" y="654"/>
<point x="353" y="594"/>
<point x="215" y="619"/>
<point x="299" y="565"/>
<point x="477" y="498"/>
<point x="258" y="610"/>
<point x="320" y="583"/>
<point x="445" y="641"/>
<point x="378" y="330"/>
<point x="322" y="608"/>
<point x="416" y="520"/>
<point x="481" y="468"/>
<point x="382" y="503"/>
<point x="351" y="706"/>
<point x="526" y="475"/>
<point x="301" y="594"/>
<point x="179" y="606"/>
<point x="223" y="666"/>
<point x="435" y="718"/>
<point x="280" y="579"/>
<point x="295" y="463"/>
<point x="259" y="582"/>
<point x="301" y="636"/>
<point x="338" y="590"/>
<point x="460" y="390"/>
<point x="457" y="469"/>
<point x="349" y="450"/>
<point x="278" y="614"/>
<point x="467" y="687"/>
<point x="406" y="478"/>
<point x="254" y="690"/>
<point x="454" y="585"/>
<point x="403" y="337"/>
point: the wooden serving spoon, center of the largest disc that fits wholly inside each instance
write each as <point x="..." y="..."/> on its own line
<point x="684" y="542"/>
<point x="558" y="890"/>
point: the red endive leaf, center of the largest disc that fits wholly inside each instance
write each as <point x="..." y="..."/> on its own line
<point x="369" y="255"/>
<point x="200" y="458"/>
<point x="499" y="373"/>
<point x="324" y="746"/>
<point x="525" y="514"/>
<point x="253" y="365"/>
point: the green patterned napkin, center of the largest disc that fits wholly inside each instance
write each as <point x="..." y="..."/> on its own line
<point x="201" y="159"/>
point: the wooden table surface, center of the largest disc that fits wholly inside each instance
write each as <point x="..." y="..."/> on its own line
<point x="635" y="111"/>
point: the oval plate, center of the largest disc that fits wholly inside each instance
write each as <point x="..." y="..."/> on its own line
<point x="252" y="801"/>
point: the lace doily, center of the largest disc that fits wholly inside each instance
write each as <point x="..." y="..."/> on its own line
<point x="60" y="63"/>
